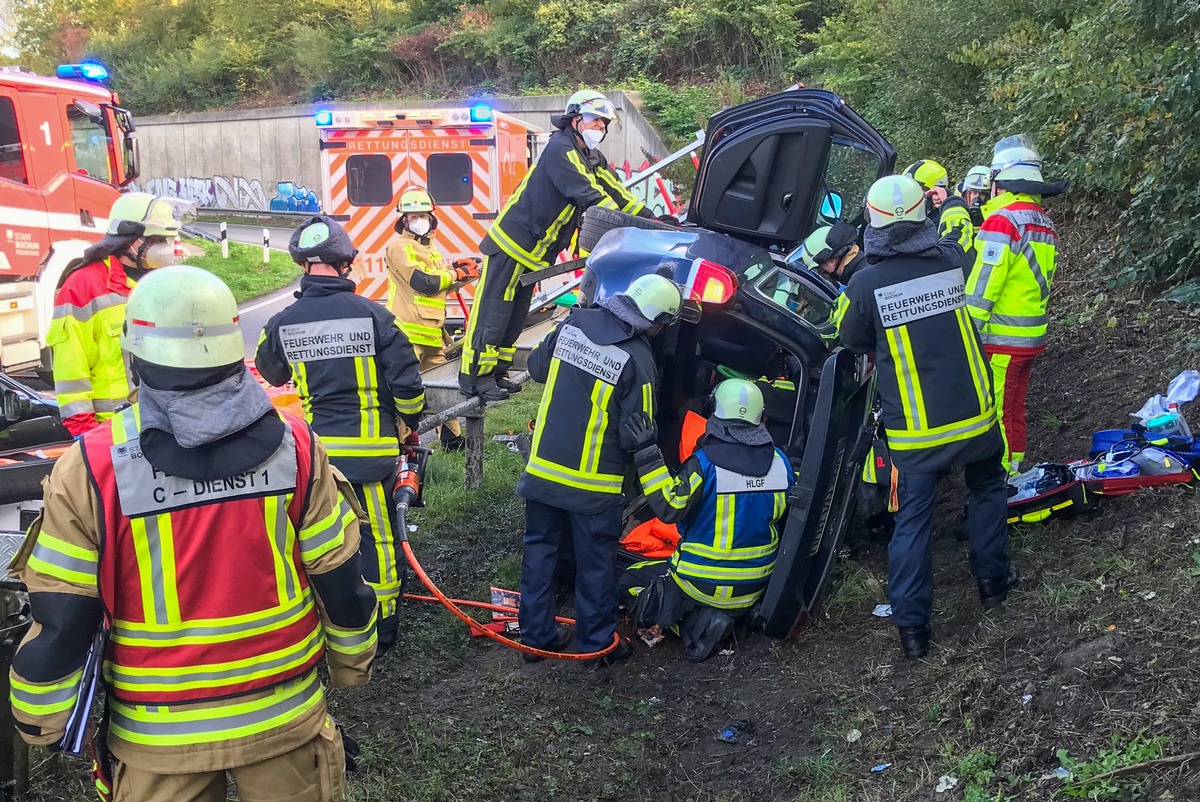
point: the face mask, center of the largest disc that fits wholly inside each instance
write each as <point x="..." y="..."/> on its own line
<point x="592" y="138"/>
<point x="420" y="226"/>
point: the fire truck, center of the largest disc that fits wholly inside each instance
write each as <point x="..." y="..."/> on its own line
<point x="471" y="159"/>
<point x="66" y="149"/>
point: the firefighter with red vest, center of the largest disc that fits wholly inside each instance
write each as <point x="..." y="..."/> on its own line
<point x="208" y="534"/>
<point x="89" y="309"/>
<point x="1009" y="285"/>
<point x="358" y="378"/>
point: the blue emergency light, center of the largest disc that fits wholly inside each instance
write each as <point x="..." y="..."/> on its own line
<point x="87" y="71"/>
<point x="324" y="118"/>
<point x="481" y="113"/>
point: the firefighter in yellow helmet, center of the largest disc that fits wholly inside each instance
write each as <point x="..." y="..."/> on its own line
<point x="419" y="279"/>
<point x="89" y="308"/>
<point x="908" y="307"/>
<point x="538" y="222"/>
<point x="948" y="212"/>
<point x="208" y="534"/>
<point x="1009" y="286"/>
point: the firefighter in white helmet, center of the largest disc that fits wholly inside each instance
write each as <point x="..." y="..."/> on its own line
<point x="728" y="500"/>
<point x="89" y="372"/>
<point x="909" y="308"/>
<point x="419" y="279"/>
<point x="207" y="532"/>
<point x="539" y="221"/>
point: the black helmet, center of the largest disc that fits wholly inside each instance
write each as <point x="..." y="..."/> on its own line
<point x="321" y="239"/>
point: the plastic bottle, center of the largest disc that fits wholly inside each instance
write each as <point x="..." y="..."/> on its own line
<point x="1184" y="429"/>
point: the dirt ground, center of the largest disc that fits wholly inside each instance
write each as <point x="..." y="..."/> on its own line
<point x="1094" y="654"/>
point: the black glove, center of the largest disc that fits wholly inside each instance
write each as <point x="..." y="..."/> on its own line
<point x="669" y="219"/>
<point x="639" y="431"/>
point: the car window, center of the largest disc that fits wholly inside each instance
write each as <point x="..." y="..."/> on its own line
<point x="12" y="160"/>
<point x="90" y="142"/>
<point x="849" y="173"/>
<point x="786" y="289"/>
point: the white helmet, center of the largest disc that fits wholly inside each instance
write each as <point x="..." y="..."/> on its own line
<point x="738" y="399"/>
<point x="1015" y="158"/>
<point x="658" y="299"/>
<point x="589" y="101"/>
<point x="895" y="199"/>
<point x="978" y="179"/>
<point x="183" y="317"/>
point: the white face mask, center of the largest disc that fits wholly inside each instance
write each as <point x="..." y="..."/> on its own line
<point x="420" y="226"/>
<point x="591" y="137"/>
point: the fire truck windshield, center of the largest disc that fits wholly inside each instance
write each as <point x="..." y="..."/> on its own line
<point x="91" y="141"/>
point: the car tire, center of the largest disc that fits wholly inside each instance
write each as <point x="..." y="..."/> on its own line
<point x="598" y="221"/>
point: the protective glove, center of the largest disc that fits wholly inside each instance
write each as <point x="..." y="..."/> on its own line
<point x="639" y="431"/>
<point x="466" y="269"/>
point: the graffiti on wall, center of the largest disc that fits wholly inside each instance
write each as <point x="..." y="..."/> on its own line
<point x="648" y="192"/>
<point x="242" y="194"/>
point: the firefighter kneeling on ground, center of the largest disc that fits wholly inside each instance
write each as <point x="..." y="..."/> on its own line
<point x="90" y="379"/>
<point x="419" y="279"/>
<point x="599" y="371"/>
<point x="210" y="533"/>
<point x="908" y="307"/>
<point x="729" y="500"/>
<point x="357" y="375"/>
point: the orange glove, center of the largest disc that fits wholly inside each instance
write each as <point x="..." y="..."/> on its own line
<point x="466" y="269"/>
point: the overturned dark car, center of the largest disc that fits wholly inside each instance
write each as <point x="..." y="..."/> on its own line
<point x="773" y="171"/>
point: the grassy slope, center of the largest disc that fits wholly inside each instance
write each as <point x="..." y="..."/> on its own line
<point x="244" y="270"/>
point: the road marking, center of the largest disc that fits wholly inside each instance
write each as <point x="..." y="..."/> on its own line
<point x="275" y="297"/>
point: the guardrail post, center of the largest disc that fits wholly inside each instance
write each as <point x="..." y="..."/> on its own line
<point x="266" y="246"/>
<point x="224" y="241"/>
<point x="473" y="473"/>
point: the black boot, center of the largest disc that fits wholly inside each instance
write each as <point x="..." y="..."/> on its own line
<point x="485" y="387"/>
<point x="505" y="383"/>
<point x="915" y="641"/>
<point x="993" y="592"/>
<point x="451" y="441"/>
<point x="623" y="651"/>
<point x="562" y="639"/>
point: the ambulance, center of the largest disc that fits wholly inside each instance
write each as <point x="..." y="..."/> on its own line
<point x="66" y="147"/>
<point x="471" y="160"/>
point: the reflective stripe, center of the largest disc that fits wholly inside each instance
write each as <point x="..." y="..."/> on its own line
<point x="975" y="359"/>
<point x="726" y="511"/>
<point x="109" y="405"/>
<point x="648" y="399"/>
<point x="45" y="699"/>
<point x="283" y="539"/>
<point x="163" y="725"/>
<point x="218" y="630"/>
<point x="908" y="440"/>
<point x="361" y="447"/>
<point x="75" y="386"/>
<point x="1014" y="341"/>
<point x="718" y="572"/>
<point x="721" y="553"/>
<point x="85" y="312"/>
<point x="184" y="332"/>
<point x="381" y="527"/>
<point x="410" y="406"/>
<point x="906" y="377"/>
<point x="326" y="534"/>
<point x="435" y="303"/>
<point x="76" y="408"/>
<point x="594" y="482"/>
<point x="1019" y="320"/>
<point x="593" y="435"/>
<point x="215" y="675"/>
<point x="155" y="551"/>
<point x="349" y="641"/>
<point x="725" y="601"/>
<point x="59" y="559"/>
<point x="656" y="479"/>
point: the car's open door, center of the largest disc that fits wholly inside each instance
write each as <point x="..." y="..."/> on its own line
<point x="821" y="503"/>
<point x="779" y="167"/>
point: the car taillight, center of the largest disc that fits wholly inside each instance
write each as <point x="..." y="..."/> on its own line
<point x="710" y="283"/>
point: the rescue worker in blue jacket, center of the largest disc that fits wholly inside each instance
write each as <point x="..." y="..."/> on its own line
<point x="539" y="221"/>
<point x="599" y="371"/>
<point x="729" y="501"/>
<point x="356" y="374"/>
<point x="908" y="306"/>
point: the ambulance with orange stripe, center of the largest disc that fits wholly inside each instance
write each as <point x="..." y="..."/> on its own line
<point x="65" y="148"/>
<point x="471" y="159"/>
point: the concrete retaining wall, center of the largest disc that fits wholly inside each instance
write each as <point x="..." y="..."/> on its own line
<point x="238" y="159"/>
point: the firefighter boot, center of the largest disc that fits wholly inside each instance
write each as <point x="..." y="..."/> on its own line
<point x="505" y="383"/>
<point x="451" y="441"/>
<point x="915" y="641"/>
<point x="993" y="592"/>
<point x="562" y="639"/>
<point x="484" y="386"/>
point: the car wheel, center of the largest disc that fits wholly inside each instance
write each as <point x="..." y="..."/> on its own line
<point x="598" y="221"/>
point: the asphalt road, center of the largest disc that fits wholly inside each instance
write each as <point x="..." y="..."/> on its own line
<point x="249" y="235"/>
<point x="255" y="313"/>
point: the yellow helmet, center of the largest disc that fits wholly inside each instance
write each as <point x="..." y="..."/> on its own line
<point x="415" y="199"/>
<point x="928" y="174"/>
<point x="140" y="214"/>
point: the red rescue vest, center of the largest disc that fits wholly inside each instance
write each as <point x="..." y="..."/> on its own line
<point x="203" y="580"/>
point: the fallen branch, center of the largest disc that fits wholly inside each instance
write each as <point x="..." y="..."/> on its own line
<point x="1149" y="764"/>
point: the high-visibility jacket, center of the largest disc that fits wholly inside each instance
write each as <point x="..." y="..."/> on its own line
<point x="728" y="521"/>
<point x="954" y="220"/>
<point x="934" y="382"/>
<point x="90" y="377"/>
<point x="418" y="280"/>
<point x="1009" y="285"/>
<point x="221" y="597"/>
<point x="354" y="369"/>
<point x="598" y="372"/>
<point x="541" y="216"/>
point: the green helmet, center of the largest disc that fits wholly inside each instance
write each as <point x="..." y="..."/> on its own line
<point x="658" y="299"/>
<point x="321" y="239"/>
<point x="183" y="317"/>
<point x="738" y="399"/>
<point x="140" y="214"/>
<point x="895" y="199"/>
<point x="816" y="248"/>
